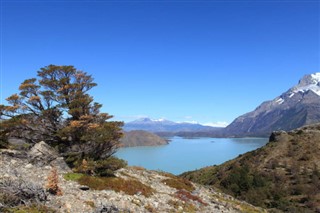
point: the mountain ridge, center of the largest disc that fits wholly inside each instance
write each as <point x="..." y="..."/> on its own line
<point x="298" y="106"/>
<point x="162" y="125"/>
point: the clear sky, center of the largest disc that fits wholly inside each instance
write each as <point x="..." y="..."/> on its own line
<point x="204" y="61"/>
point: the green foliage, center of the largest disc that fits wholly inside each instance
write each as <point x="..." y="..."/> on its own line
<point x="102" y="167"/>
<point x="55" y="107"/>
<point x="241" y="180"/>
<point x="106" y="167"/>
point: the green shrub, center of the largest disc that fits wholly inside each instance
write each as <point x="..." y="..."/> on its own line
<point x="102" y="168"/>
<point x="106" y="167"/>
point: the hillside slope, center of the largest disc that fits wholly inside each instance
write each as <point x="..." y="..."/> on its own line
<point x="141" y="138"/>
<point x="284" y="174"/>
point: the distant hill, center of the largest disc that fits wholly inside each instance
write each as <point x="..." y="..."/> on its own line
<point x="284" y="174"/>
<point x="163" y="125"/>
<point x="141" y="138"/>
<point x="297" y="107"/>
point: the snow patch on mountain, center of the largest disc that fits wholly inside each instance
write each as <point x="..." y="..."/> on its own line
<point x="308" y="82"/>
<point x="316" y="76"/>
<point x="280" y="101"/>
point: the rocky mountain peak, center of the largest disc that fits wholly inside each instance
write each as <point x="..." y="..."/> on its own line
<point x="307" y="83"/>
<point x="310" y="79"/>
<point x="294" y="108"/>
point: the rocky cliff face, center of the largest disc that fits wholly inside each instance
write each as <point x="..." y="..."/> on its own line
<point x="299" y="106"/>
<point x="142" y="190"/>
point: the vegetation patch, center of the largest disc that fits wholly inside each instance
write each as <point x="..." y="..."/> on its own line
<point x="186" y="196"/>
<point x="179" y="184"/>
<point x="166" y="174"/>
<point x="139" y="168"/>
<point x="90" y="203"/>
<point x="73" y="176"/>
<point x="130" y="187"/>
<point x="101" y="167"/>
<point x="240" y="205"/>
<point x="179" y="206"/>
<point x="29" y="209"/>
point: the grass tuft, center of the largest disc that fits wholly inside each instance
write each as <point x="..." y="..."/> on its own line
<point x="73" y="176"/>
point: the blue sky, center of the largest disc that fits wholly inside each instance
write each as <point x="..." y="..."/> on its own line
<point x="204" y="61"/>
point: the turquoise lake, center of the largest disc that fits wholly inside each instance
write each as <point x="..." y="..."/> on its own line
<point x="182" y="154"/>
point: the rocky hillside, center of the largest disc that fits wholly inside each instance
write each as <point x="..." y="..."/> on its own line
<point x="297" y="107"/>
<point x="23" y="179"/>
<point x="284" y="174"/>
<point x="141" y="138"/>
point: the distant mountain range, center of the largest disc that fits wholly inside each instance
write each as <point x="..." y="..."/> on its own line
<point x="162" y="125"/>
<point x="297" y="107"/>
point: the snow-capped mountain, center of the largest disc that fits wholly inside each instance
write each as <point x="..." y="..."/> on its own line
<point x="162" y="125"/>
<point x="299" y="106"/>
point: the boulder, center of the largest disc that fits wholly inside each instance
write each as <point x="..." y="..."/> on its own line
<point x="42" y="154"/>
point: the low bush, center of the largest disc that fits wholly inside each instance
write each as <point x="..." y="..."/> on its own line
<point x="102" y="168"/>
<point x="53" y="183"/>
<point x="19" y="192"/>
<point x="106" y="167"/>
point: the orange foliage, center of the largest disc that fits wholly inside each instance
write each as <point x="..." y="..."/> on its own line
<point x="52" y="183"/>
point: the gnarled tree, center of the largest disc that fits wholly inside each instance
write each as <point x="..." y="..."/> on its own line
<point x="56" y="108"/>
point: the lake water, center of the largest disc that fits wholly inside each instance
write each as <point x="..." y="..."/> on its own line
<point x="182" y="154"/>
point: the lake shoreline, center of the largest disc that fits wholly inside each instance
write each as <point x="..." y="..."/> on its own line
<point x="182" y="154"/>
